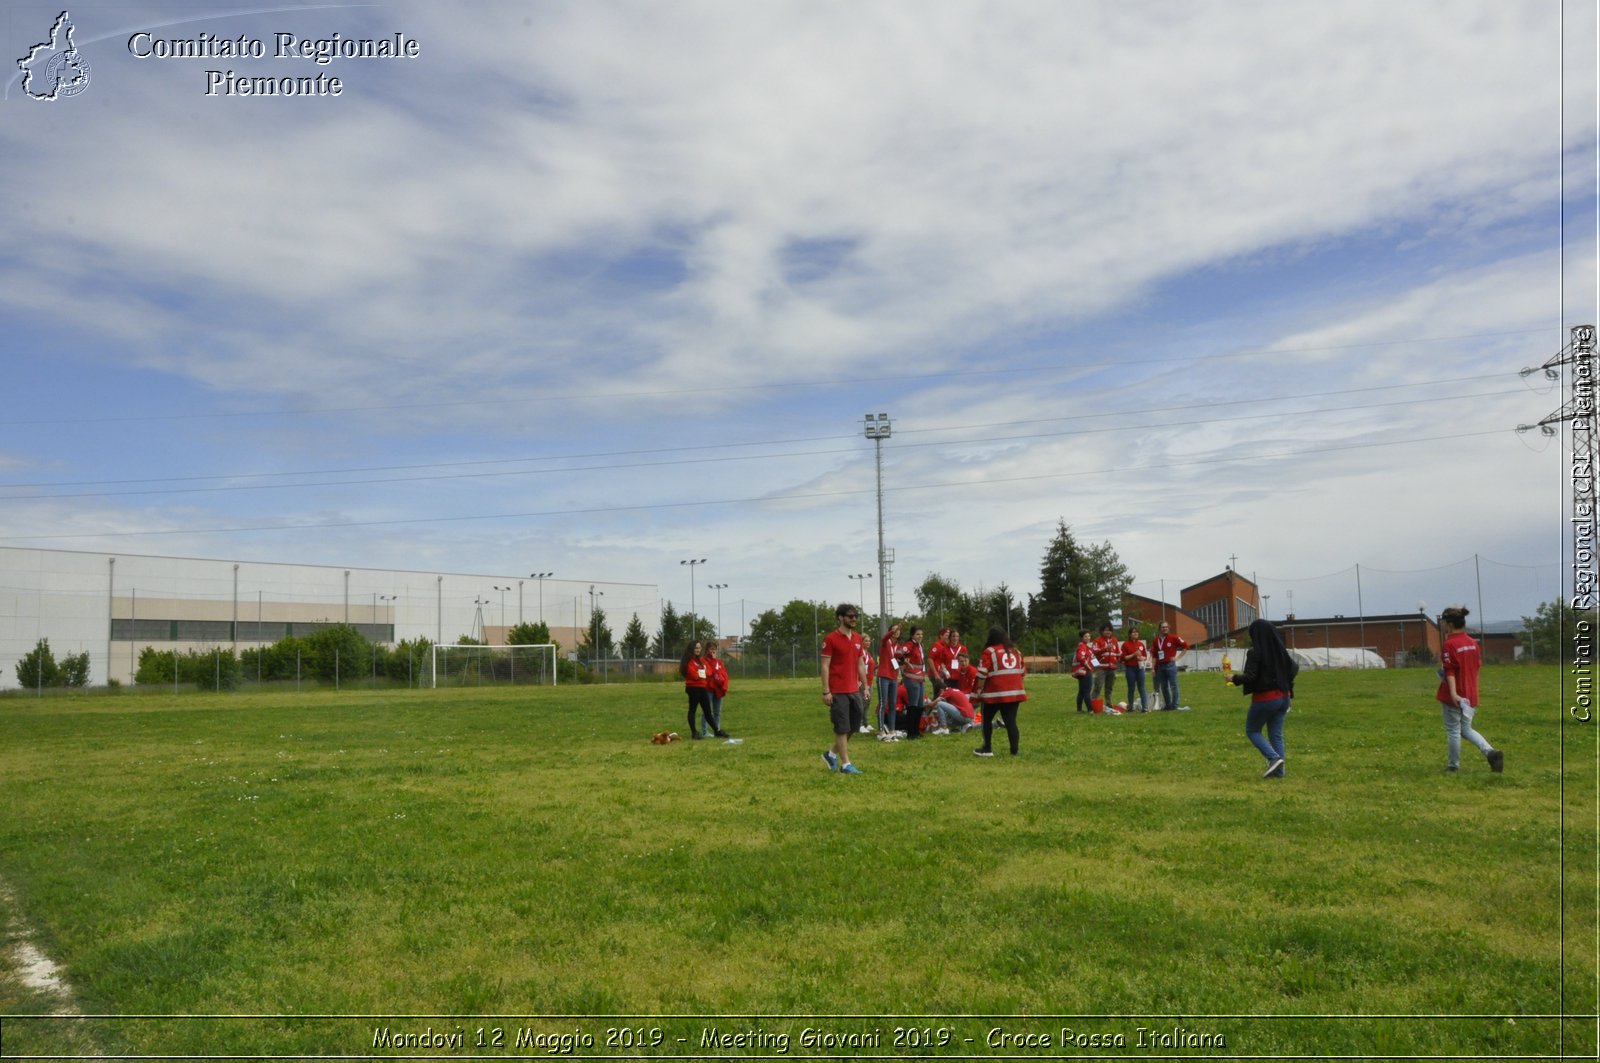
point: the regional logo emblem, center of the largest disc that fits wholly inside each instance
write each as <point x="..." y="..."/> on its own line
<point x="55" y="68"/>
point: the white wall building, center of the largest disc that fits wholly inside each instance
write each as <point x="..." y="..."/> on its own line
<point x="113" y="605"/>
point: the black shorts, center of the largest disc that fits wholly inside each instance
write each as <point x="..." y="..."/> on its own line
<point x="848" y="712"/>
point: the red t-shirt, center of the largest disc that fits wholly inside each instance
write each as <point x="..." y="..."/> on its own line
<point x="1133" y="651"/>
<point x="1083" y="660"/>
<point x="916" y="664"/>
<point x="888" y="659"/>
<point x="718" y="679"/>
<point x="1109" y="652"/>
<point x="964" y="676"/>
<point x="695" y="672"/>
<point x="1001" y="670"/>
<point x="843" y="654"/>
<point x="955" y="697"/>
<point x="1461" y="659"/>
<point x="1166" y="647"/>
<point x="942" y="660"/>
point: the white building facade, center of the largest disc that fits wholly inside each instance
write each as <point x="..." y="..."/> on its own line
<point x="113" y="605"/>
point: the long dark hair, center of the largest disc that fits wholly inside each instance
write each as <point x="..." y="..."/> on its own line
<point x="998" y="637"/>
<point x="688" y="655"/>
<point x="1273" y="660"/>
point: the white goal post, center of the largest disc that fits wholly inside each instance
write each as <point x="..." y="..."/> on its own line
<point x="465" y="666"/>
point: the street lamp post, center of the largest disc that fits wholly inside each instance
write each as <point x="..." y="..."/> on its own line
<point x="502" y="591"/>
<point x="541" y="577"/>
<point x="719" y="588"/>
<point x="877" y="429"/>
<point x="858" y="577"/>
<point x="594" y="623"/>
<point x="692" y="618"/>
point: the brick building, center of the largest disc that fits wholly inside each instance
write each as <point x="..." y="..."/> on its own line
<point x="1390" y="636"/>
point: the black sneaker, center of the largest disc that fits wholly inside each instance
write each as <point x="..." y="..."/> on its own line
<point x="983" y="752"/>
<point x="1497" y="760"/>
<point x="1273" y="768"/>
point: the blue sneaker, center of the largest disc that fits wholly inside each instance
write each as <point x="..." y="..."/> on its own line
<point x="851" y="769"/>
<point x="831" y="760"/>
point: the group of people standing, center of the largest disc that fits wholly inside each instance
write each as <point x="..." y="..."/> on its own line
<point x="965" y="696"/>
<point x="849" y="672"/>
<point x="1095" y="665"/>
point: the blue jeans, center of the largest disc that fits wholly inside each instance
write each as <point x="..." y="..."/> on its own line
<point x="1268" y="714"/>
<point x="1085" y="691"/>
<point x="1167" y="684"/>
<point x="1135" y="676"/>
<point x="888" y="690"/>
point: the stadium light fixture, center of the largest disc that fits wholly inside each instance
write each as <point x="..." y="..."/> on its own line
<point x="541" y="577"/>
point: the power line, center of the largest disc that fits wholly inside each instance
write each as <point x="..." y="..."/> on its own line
<point x="969" y="484"/>
<point x="690" y="461"/>
<point x="784" y="385"/>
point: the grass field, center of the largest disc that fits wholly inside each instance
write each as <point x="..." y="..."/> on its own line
<point x="377" y="874"/>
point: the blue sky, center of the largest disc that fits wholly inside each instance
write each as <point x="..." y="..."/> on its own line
<point x="596" y="287"/>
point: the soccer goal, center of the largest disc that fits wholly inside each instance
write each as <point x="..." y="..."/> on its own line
<point x="468" y="666"/>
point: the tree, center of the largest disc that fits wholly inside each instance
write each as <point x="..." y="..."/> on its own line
<point x="635" y="640"/>
<point x="74" y="671"/>
<point x="1547" y="634"/>
<point x="799" y="626"/>
<point x="38" y="668"/>
<point x="596" y="635"/>
<point x="1078" y="587"/>
<point x="530" y="634"/>
<point x="669" y="639"/>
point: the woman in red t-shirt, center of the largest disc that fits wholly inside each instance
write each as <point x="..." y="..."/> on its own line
<point x="1135" y="656"/>
<point x="1083" y="664"/>
<point x="914" y="670"/>
<point x="697" y="684"/>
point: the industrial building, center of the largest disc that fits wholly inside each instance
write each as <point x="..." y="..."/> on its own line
<point x="113" y="605"/>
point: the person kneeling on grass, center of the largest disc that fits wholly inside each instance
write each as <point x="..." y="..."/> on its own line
<point x="1458" y="690"/>
<point x="953" y="712"/>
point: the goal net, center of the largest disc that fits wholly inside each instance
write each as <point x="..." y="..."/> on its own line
<point x="466" y="666"/>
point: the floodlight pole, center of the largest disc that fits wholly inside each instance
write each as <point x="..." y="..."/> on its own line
<point x="877" y="430"/>
<point x="719" y="588"/>
<point x="692" y="618"/>
<point x="858" y="577"/>
<point x="541" y="577"/>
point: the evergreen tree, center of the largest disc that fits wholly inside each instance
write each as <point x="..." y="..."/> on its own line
<point x="1077" y="587"/>
<point x="635" y="640"/>
<point x="596" y="640"/>
<point x="669" y="638"/>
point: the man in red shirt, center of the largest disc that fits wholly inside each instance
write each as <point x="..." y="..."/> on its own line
<point x="1167" y="649"/>
<point x="844" y="674"/>
<point x="1458" y="691"/>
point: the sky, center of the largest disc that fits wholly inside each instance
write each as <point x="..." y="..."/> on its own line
<point x="596" y="288"/>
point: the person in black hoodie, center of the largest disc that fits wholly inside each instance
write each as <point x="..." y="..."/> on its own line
<point x="1268" y="678"/>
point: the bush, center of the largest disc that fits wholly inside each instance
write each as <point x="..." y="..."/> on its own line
<point x="39" y="669"/>
<point x="214" y="669"/>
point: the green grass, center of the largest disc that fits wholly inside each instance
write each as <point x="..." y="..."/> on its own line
<point x="530" y="853"/>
